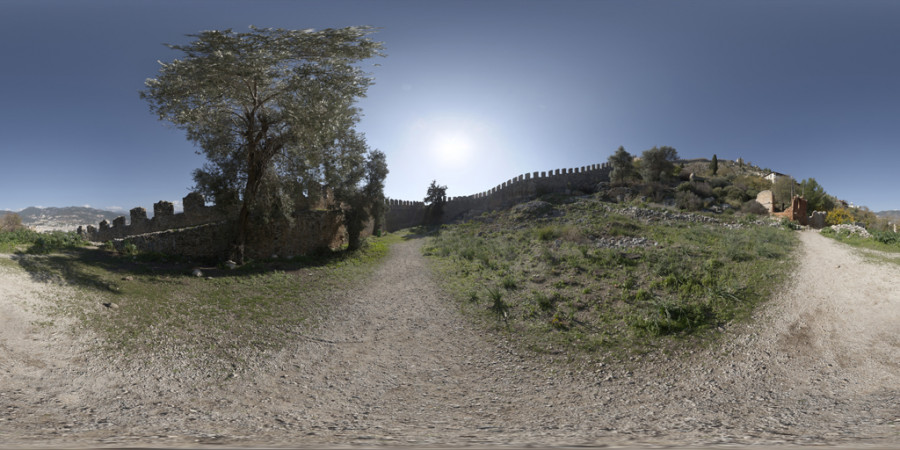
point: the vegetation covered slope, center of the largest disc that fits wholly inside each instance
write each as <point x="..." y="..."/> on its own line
<point x="610" y="279"/>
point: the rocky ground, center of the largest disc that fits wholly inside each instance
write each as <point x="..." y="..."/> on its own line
<point x="395" y="364"/>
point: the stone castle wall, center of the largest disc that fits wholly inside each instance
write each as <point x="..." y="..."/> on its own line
<point x="208" y="232"/>
<point x="403" y="214"/>
<point x="164" y="218"/>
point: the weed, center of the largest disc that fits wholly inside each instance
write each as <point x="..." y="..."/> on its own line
<point x="498" y="305"/>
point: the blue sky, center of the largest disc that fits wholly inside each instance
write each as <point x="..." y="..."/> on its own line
<point x="472" y="93"/>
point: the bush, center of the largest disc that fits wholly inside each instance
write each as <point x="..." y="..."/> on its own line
<point x="754" y="207"/>
<point x="689" y="201"/>
<point x="838" y="216"/>
<point x="655" y="191"/>
<point x="789" y="224"/>
<point x="56" y="240"/>
<point x="11" y="222"/>
<point x="703" y="189"/>
<point x="886" y="237"/>
<point x="11" y="240"/>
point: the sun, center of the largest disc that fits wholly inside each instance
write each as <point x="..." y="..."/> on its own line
<point x="452" y="148"/>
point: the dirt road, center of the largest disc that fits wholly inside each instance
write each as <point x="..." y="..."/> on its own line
<point x="395" y="364"/>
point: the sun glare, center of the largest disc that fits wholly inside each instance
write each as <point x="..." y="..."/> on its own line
<point x="452" y="148"/>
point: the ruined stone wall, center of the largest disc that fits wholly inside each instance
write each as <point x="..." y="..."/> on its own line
<point x="796" y="212"/>
<point x="208" y="232"/>
<point x="164" y="218"/>
<point x="767" y="199"/>
<point x="402" y="214"/>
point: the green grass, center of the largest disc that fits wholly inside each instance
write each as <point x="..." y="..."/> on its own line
<point x="563" y="292"/>
<point x="883" y="241"/>
<point x="886" y="244"/>
<point x="216" y="320"/>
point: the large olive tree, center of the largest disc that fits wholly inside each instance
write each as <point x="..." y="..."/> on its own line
<point x="272" y="110"/>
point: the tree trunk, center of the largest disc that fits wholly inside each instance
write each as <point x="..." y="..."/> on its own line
<point x="254" y="178"/>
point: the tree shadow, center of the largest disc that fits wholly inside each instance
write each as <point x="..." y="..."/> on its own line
<point x="421" y="232"/>
<point x="102" y="270"/>
<point x="69" y="268"/>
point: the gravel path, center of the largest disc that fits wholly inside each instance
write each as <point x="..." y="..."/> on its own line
<point x="395" y="364"/>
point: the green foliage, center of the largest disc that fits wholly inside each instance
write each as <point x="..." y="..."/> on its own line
<point x="789" y="224"/>
<point x="364" y="201"/>
<point x="56" y="240"/>
<point x="129" y="249"/>
<point x="498" y="306"/>
<point x="783" y="190"/>
<point x="547" y="233"/>
<point x="816" y="197"/>
<point x="572" y="293"/>
<point x="886" y="237"/>
<point x="714" y="165"/>
<point x="435" y="199"/>
<point x="11" y="241"/>
<point x="688" y="200"/>
<point x="657" y="163"/>
<point x="754" y="207"/>
<point x="622" y="164"/>
<point x="273" y="112"/>
<point x="839" y="216"/>
<point x="10" y="222"/>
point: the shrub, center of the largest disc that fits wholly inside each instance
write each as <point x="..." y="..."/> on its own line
<point x="508" y="283"/>
<point x="546" y="233"/>
<point x="129" y="249"/>
<point x="498" y="305"/>
<point x="56" y="240"/>
<point x="11" y="222"/>
<point x="544" y="301"/>
<point x="838" y="216"/>
<point x="703" y="189"/>
<point x="754" y="207"/>
<point x="789" y="224"/>
<point x="886" y="237"/>
<point x="688" y="200"/>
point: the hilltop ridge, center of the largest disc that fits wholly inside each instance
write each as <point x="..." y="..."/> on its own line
<point x="67" y="218"/>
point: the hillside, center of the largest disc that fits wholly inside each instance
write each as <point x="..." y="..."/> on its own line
<point x="66" y="218"/>
<point x="892" y="215"/>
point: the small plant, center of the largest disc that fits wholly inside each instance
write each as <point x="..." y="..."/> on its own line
<point x="473" y="297"/>
<point x="544" y="301"/>
<point x="547" y="233"/>
<point x="498" y="305"/>
<point x="790" y="225"/>
<point x="508" y="283"/>
<point x="129" y="249"/>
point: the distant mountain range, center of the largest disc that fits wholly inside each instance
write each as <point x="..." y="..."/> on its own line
<point x="893" y="215"/>
<point x="66" y="219"/>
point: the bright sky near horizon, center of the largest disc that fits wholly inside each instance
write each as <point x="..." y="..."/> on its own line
<point x="472" y="93"/>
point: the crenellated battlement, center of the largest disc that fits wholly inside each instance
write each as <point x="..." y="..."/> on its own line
<point x="402" y="213"/>
<point x="164" y="218"/>
<point x="208" y="231"/>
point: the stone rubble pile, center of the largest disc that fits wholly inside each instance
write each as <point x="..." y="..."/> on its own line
<point x="852" y="229"/>
<point x="656" y="215"/>
<point x="623" y="242"/>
